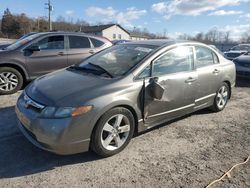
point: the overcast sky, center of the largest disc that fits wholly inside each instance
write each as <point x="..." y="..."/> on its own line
<point x="173" y="16"/>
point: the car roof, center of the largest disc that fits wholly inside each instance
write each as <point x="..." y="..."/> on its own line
<point x="70" y="33"/>
<point x="162" y="42"/>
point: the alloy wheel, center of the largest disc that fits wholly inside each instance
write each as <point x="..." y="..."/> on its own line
<point x="222" y="97"/>
<point x="8" y="81"/>
<point x="115" y="132"/>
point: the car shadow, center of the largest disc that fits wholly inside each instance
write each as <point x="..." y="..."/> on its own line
<point x="19" y="157"/>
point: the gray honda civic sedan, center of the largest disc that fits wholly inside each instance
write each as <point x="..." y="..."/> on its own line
<point x="102" y="102"/>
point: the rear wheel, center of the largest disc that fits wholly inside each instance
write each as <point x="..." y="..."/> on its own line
<point x="113" y="132"/>
<point x="221" y="98"/>
<point x="11" y="80"/>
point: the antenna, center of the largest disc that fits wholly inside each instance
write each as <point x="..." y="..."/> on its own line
<point x="50" y="9"/>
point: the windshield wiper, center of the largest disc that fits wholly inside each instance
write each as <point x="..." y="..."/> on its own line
<point x="75" y="67"/>
<point x="100" y="67"/>
<point x="93" y="71"/>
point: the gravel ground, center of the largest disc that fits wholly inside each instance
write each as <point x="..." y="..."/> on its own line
<point x="189" y="152"/>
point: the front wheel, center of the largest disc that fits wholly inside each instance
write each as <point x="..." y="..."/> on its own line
<point x="221" y="98"/>
<point x="113" y="132"/>
<point x="11" y="80"/>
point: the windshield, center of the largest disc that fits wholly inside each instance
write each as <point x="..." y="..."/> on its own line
<point x="118" y="60"/>
<point x="23" y="41"/>
<point x="241" y="47"/>
<point x="248" y="53"/>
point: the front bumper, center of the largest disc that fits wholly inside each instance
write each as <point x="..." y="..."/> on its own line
<point x="60" y="149"/>
<point x="61" y="136"/>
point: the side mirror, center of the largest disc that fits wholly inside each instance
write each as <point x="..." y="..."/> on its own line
<point x="34" y="48"/>
<point x="155" y="89"/>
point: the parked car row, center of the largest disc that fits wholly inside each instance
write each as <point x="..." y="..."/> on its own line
<point x="240" y="55"/>
<point x="236" y="51"/>
<point x="41" y="53"/>
<point x="128" y="88"/>
<point x="242" y="64"/>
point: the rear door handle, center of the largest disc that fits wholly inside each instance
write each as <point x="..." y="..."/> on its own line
<point x="216" y="71"/>
<point x="60" y="53"/>
<point x="91" y="51"/>
<point x="190" y="80"/>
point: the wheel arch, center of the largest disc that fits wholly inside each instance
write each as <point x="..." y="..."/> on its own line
<point x="132" y="110"/>
<point x="229" y="86"/>
<point x="19" y="68"/>
<point x="116" y="105"/>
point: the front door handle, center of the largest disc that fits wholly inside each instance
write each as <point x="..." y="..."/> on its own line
<point x="91" y="51"/>
<point x="216" y="71"/>
<point x="61" y="53"/>
<point x="190" y="80"/>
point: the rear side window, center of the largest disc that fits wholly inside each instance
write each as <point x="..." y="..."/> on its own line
<point x="96" y="43"/>
<point x="179" y="59"/>
<point x="51" y="43"/>
<point x="78" y="42"/>
<point x="205" y="57"/>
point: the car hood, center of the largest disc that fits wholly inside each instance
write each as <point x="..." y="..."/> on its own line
<point x="243" y="59"/>
<point x="3" y="52"/>
<point x="66" y="88"/>
<point x="238" y="51"/>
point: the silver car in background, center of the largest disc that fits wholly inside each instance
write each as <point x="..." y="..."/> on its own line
<point x="128" y="88"/>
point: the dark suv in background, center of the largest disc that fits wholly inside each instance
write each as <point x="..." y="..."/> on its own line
<point x="42" y="53"/>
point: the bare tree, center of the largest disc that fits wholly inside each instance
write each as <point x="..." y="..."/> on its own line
<point x="199" y="37"/>
<point x="227" y="37"/>
<point x="245" y="38"/>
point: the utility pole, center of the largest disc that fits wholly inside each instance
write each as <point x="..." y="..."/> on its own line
<point x="38" y="24"/>
<point x="50" y="9"/>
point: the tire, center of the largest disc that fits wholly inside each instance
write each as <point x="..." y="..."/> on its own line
<point x="109" y="139"/>
<point x="11" y="80"/>
<point x="221" y="98"/>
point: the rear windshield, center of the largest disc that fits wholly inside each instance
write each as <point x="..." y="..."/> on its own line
<point x="118" y="60"/>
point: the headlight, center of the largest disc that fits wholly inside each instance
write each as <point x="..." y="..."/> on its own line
<point x="64" y="112"/>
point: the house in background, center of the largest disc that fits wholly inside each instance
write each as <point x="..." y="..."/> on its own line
<point x="109" y="31"/>
<point x="113" y="32"/>
<point x="138" y="36"/>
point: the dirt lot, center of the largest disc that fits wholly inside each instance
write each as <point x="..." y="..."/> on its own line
<point x="190" y="152"/>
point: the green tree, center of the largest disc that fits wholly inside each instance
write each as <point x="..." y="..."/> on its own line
<point x="10" y="26"/>
<point x="24" y="23"/>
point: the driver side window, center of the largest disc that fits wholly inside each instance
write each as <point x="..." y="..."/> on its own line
<point x="51" y="43"/>
<point x="179" y="59"/>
